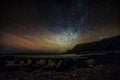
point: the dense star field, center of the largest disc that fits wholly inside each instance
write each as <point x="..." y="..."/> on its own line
<point x="56" y="25"/>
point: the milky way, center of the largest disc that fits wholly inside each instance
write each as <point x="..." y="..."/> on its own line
<point x="56" y="25"/>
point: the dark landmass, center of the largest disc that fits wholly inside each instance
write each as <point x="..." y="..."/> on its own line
<point x="106" y="45"/>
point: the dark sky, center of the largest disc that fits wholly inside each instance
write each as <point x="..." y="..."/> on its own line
<point x="57" y="25"/>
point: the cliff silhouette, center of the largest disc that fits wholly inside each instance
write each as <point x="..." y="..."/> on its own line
<point x="105" y="45"/>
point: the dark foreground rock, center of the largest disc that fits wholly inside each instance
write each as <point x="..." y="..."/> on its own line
<point x="98" y="72"/>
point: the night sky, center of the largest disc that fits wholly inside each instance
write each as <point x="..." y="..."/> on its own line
<point x="56" y="25"/>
